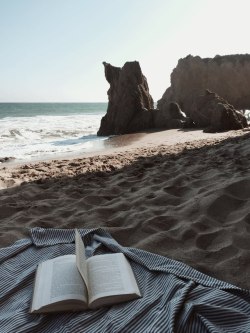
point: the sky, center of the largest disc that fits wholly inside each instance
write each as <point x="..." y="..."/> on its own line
<point x="52" y="50"/>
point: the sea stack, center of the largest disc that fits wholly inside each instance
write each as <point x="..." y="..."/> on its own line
<point x="130" y="103"/>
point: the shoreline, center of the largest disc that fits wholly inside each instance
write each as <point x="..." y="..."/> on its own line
<point x="14" y="173"/>
<point x="132" y="145"/>
<point x="120" y="143"/>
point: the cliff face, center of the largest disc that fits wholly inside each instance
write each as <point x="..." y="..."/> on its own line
<point x="130" y="104"/>
<point x="228" y="76"/>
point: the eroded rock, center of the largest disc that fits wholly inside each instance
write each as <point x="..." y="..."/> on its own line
<point x="216" y="114"/>
<point x="130" y="103"/>
<point x="6" y="159"/>
<point x="228" y="76"/>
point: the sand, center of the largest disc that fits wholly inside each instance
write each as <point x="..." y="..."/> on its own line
<point x="181" y="194"/>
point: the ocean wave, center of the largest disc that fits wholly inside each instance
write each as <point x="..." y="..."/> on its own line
<point x="29" y="137"/>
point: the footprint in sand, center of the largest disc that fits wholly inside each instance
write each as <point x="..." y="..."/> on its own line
<point x="224" y="205"/>
<point x="239" y="189"/>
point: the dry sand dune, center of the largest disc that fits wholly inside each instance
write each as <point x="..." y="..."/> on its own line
<point x="188" y="201"/>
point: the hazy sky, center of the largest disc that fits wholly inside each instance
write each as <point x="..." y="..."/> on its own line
<point x="52" y="50"/>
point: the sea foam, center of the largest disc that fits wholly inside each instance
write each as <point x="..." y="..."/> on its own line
<point x="42" y="136"/>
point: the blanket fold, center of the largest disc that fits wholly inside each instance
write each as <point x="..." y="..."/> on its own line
<point x="176" y="297"/>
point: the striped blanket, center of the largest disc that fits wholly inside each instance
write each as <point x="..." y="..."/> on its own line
<point x="176" y="298"/>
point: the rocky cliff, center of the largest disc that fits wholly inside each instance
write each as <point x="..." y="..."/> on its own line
<point x="130" y="103"/>
<point x="228" y="76"/>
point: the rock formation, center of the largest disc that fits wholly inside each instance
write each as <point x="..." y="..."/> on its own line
<point x="170" y="117"/>
<point x="6" y="159"/>
<point x="130" y="104"/>
<point x="228" y="76"/>
<point x="216" y="114"/>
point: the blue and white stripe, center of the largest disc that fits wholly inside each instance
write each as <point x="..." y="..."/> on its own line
<point x="176" y="297"/>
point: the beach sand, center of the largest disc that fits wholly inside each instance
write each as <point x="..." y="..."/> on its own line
<point x="181" y="194"/>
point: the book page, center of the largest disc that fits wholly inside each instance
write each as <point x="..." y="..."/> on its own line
<point x="80" y="257"/>
<point x="110" y="275"/>
<point x="57" y="280"/>
<point x="67" y="282"/>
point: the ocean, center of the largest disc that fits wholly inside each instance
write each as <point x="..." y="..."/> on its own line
<point x="33" y="131"/>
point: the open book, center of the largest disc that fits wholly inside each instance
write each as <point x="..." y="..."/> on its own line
<point x="72" y="283"/>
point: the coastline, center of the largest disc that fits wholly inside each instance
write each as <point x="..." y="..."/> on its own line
<point x="181" y="194"/>
<point x="120" y="143"/>
<point x="110" y="154"/>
